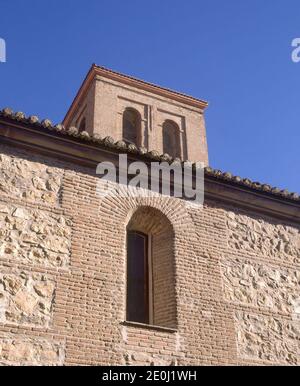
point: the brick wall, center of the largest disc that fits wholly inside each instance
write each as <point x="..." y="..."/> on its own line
<point x="62" y="275"/>
<point x="106" y="100"/>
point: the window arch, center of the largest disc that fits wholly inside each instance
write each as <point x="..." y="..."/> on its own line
<point x="150" y="269"/>
<point x="132" y="126"/>
<point x="82" y="126"/>
<point x="138" y="273"/>
<point x="171" y="139"/>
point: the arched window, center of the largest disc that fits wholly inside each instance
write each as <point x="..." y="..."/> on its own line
<point x="150" y="269"/>
<point x="138" y="283"/>
<point x="132" y="126"/>
<point x="82" y="126"/>
<point x="171" y="139"/>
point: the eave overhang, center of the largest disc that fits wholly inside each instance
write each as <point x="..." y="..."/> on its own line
<point x="81" y="149"/>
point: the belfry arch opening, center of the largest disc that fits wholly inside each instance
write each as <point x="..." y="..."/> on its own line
<point x="131" y="128"/>
<point x="171" y="139"/>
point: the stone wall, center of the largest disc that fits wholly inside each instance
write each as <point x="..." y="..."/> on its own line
<point x="262" y="282"/>
<point x="30" y="352"/>
<point x="35" y="241"/>
<point x="257" y="236"/>
<point x="30" y="179"/>
<point x="268" y="338"/>
<point x="26" y="299"/>
<point x="63" y="276"/>
<point x="261" y="285"/>
<point x="34" y="236"/>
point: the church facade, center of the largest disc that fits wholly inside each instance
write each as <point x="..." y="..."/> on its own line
<point x="120" y="279"/>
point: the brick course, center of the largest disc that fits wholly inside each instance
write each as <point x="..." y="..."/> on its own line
<point x="235" y="276"/>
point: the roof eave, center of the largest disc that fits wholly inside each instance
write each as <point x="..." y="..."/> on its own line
<point x="133" y="82"/>
<point x="17" y="127"/>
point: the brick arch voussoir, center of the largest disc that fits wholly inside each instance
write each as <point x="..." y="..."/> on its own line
<point x="120" y="210"/>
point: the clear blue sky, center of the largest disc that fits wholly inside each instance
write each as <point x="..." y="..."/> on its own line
<point x="235" y="53"/>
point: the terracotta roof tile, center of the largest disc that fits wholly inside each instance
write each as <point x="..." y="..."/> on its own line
<point x="109" y="142"/>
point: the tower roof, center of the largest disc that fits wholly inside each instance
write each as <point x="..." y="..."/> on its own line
<point x="131" y="81"/>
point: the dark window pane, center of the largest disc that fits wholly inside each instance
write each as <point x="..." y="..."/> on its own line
<point x="131" y="126"/>
<point x="171" y="139"/>
<point x="137" y="278"/>
<point x="82" y="126"/>
<point x="168" y="142"/>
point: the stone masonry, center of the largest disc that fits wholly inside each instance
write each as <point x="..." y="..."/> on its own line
<point x="62" y="277"/>
<point x="224" y="277"/>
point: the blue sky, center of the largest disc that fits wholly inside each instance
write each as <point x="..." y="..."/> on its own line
<point x="235" y="54"/>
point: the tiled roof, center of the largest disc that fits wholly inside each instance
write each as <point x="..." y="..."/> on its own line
<point x="109" y="142"/>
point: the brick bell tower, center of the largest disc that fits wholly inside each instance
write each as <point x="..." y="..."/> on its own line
<point x="112" y="104"/>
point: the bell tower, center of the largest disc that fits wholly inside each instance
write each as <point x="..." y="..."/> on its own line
<point x="112" y="104"/>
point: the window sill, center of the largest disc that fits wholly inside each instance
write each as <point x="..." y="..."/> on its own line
<point x="149" y="327"/>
